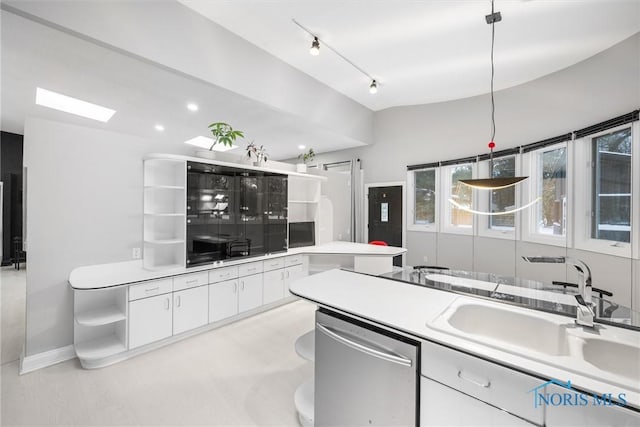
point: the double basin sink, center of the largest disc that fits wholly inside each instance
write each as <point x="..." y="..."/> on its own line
<point x="604" y="353"/>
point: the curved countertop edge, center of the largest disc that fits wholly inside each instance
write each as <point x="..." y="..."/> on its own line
<point x="419" y="306"/>
<point x="103" y="276"/>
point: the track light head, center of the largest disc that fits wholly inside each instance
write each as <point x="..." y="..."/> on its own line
<point x="373" y="87"/>
<point x="315" y="47"/>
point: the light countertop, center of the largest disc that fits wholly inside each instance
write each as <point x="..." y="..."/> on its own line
<point x="102" y="276"/>
<point x="417" y="310"/>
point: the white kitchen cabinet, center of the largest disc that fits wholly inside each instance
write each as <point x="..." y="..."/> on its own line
<point x="150" y="319"/>
<point x="443" y="406"/>
<point x="190" y="309"/>
<point x="250" y="293"/>
<point x="589" y="414"/>
<point x="273" y="286"/>
<point x="292" y="273"/>
<point x="223" y="300"/>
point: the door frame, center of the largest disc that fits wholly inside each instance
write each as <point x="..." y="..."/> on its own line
<point x="404" y="216"/>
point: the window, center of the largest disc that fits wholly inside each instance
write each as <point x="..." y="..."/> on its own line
<point x="422" y="199"/>
<point x="457" y="220"/>
<point x="611" y="195"/>
<point x="503" y="199"/>
<point x="551" y="181"/>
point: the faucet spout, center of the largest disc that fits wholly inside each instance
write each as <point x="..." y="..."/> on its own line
<point x="585" y="313"/>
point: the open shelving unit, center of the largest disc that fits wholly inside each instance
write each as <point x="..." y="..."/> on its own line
<point x="304" y="397"/>
<point x="304" y="197"/>
<point x="164" y="213"/>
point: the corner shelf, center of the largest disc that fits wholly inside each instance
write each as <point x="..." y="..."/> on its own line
<point x="306" y="345"/>
<point x="99" y="348"/>
<point x="303" y="400"/>
<point x="100" y="316"/>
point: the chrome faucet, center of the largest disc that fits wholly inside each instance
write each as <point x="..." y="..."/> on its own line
<point x="585" y="313"/>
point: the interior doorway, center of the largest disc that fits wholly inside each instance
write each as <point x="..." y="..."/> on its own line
<point x="384" y="205"/>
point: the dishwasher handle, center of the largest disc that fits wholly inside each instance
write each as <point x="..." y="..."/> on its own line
<point x="389" y="357"/>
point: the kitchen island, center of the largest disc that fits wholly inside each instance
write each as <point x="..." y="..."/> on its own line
<point x="482" y="361"/>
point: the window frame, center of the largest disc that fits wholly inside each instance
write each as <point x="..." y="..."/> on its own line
<point x="482" y="201"/>
<point x="411" y="202"/>
<point x="530" y="167"/>
<point x="583" y="205"/>
<point x="445" y="206"/>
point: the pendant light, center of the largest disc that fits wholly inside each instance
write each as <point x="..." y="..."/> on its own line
<point x="492" y="183"/>
<point x="315" y="47"/>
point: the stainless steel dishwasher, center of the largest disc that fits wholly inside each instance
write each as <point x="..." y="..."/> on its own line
<point x="364" y="376"/>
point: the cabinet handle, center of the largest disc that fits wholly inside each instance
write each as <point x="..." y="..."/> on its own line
<point x="274" y="265"/>
<point x="192" y="281"/>
<point x="235" y="287"/>
<point x="288" y="274"/>
<point x="227" y="274"/>
<point x="242" y="285"/>
<point x="178" y="301"/>
<point x="479" y="384"/>
<point x="152" y="289"/>
<point x="251" y="269"/>
<point x="281" y="275"/>
<point x="168" y="304"/>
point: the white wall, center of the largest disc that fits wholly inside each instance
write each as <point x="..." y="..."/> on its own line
<point x="599" y="88"/>
<point x="84" y="204"/>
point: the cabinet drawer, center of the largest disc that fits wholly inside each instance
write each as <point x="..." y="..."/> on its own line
<point x="250" y="268"/>
<point x="149" y="289"/>
<point x="273" y="264"/>
<point x="293" y="260"/>
<point x="222" y="274"/>
<point x="499" y="386"/>
<point x="192" y="280"/>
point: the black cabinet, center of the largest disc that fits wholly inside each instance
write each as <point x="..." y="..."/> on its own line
<point x="233" y="212"/>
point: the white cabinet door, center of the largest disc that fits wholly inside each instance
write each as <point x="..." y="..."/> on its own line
<point x="250" y="295"/>
<point x="583" y="410"/>
<point x="190" y="309"/>
<point x="443" y="406"/>
<point x="150" y="320"/>
<point x="273" y="286"/>
<point x="292" y="273"/>
<point x="223" y="300"/>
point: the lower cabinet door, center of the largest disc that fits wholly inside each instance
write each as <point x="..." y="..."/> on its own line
<point x="443" y="406"/>
<point x="223" y="300"/>
<point x="292" y="273"/>
<point x="273" y="286"/>
<point x="190" y="309"/>
<point x="150" y="320"/>
<point x="250" y="295"/>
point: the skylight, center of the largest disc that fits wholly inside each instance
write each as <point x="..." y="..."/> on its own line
<point x="204" y="142"/>
<point x="57" y="101"/>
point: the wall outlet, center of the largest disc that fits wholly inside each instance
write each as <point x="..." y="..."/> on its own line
<point x="136" y="254"/>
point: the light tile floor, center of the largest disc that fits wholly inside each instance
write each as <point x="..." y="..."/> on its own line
<point x="12" y="305"/>
<point x="243" y="374"/>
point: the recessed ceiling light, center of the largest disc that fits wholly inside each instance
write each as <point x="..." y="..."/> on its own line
<point x="159" y="128"/>
<point x="373" y="87"/>
<point x="204" y="142"/>
<point x="301" y="147"/>
<point x="57" y="101"/>
<point x="315" y="47"/>
<point x="192" y="107"/>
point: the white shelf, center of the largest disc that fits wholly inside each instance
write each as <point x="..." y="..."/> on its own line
<point x="306" y="345"/>
<point x="99" y="348"/>
<point x="164" y="214"/>
<point x="303" y="400"/>
<point x="166" y="187"/>
<point x="303" y="201"/>
<point x="100" y="316"/>
<point x="164" y="241"/>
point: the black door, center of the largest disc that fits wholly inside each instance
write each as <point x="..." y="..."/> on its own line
<point x="276" y="214"/>
<point x="385" y="216"/>
<point x="252" y="212"/>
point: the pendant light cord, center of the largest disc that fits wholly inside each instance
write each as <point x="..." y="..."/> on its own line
<point x="493" y="104"/>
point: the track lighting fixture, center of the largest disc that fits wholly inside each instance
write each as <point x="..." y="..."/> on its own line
<point x="315" y="51"/>
<point x="373" y="87"/>
<point x="315" y="47"/>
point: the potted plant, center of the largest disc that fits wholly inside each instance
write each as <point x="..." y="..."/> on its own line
<point x="306" y="158"/>
<point x="260" y="153"/>
<point x="223" y="134"/>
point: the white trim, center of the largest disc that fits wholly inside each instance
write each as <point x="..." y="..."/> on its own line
<point x="46" y="358"/>
<point x="404" y="216"/>
<point x="411" y="202"/>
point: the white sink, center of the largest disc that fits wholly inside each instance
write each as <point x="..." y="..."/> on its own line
<point x="613" y="357"/>
<point x="504" y="326"/>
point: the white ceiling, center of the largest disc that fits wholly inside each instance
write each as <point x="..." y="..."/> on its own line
<point x="427" y="51"/>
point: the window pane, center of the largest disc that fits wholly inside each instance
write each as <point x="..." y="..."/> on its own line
<point x="551" y="218"/>
<point x="462" y="194"/>
<point x="611" y="203"/>
<point x="425" y="197"/>
<point x="503" y="199"/>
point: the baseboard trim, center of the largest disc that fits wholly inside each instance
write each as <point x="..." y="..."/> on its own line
<point x="46" y="358"/>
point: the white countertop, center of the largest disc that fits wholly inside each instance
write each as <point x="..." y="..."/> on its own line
<point x="413" y="309"/>
<point x="102" y="276"/>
